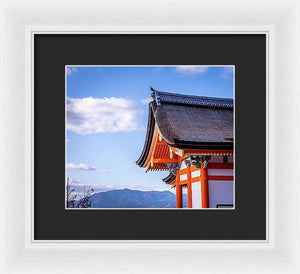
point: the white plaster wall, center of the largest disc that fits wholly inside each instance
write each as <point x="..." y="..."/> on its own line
<point x="184" y="198"/>
<point x="195" y="173"/>
<point x="196" y="195"/>
<point x="220" y="172"/>
<point x="183" y="177"/>
<point x="220" y="192"/>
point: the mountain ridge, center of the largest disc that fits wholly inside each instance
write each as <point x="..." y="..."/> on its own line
<point x="128" y="198"/>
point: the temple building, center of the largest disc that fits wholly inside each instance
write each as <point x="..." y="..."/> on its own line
<point x="192" y="138"/>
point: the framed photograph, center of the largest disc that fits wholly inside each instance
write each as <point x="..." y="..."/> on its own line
<point x="185" y="136"/>
<point x="182" y="120"/>
<point x="130" y="140"/>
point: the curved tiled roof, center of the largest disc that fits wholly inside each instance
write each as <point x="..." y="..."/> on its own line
<point x="181" y="124"/>
<point x="173" y="98"/>
<point x="190" y="122"/>
<point x="149" y="134"/>
<point x="169" y="179"/>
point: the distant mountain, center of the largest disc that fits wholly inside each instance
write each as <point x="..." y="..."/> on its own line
<point x="126" y="198"/>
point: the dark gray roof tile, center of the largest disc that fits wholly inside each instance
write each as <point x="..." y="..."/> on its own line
<point x="190" y="122"/>
<point x="194" y="119"/>
<point x="174" y="98"/>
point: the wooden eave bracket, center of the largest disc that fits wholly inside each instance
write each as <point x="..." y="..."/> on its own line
<point x="179" y="152"/>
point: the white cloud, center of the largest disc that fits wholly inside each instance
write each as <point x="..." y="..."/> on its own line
<point x="84" y="167"/>
<point x="191" y="70"/>
<point x="102" y="170"/>
<point x="71" y="70"/>
<point x="98" y="115"/>
<point x="227" y="73"/>
<point x="146" y="101"/>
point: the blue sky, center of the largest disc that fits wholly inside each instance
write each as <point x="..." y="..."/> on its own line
<point x="107" y="110"/>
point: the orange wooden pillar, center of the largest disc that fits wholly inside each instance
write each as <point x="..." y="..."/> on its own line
<point x="189" y="188"/>
<point x="178" y="192"/>
<point x="204" y="187"/>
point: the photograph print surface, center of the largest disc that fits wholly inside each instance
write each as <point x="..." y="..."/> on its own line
<point x="150" y="137"/>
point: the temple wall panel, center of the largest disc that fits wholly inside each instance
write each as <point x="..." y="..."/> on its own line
<point x="220" y="192"/>
<point x="195" y="173"/>
<point x="220" y="172"/>
<point x="196" y="195"/>
<point x="183" y="177"/>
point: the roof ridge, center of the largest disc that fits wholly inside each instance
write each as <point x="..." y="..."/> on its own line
<point x="176" y="98"/>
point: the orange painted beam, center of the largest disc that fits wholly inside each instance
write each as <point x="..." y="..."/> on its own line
<point x="216" y="166"/>
<point x="195" y="179"/>
<point x="189" y="188"/>
<point x="211" y="178"/>
<point x="165" y="160"/>
<point x="178" y="192"/>
<point x="152" y="148"/>
<point x="193" y="168"/>
<point x="206" y="151"/>
<point x="185" y="182"/>
<point x="204" y="187"/>
<point x="182" y="158"/>
<point x="211" y="166"/>
<point x="198" y="179"/>
<point x="181" y="171"/>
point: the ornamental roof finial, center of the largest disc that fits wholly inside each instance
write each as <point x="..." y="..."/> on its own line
<point x="153" y="92"/>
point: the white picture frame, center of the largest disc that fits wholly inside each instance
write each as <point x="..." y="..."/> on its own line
<point x="279" y="20"/>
